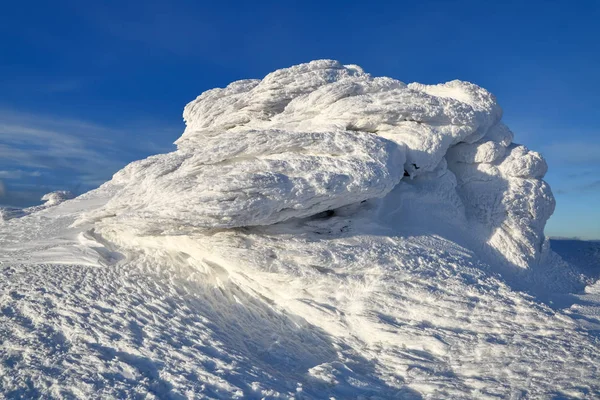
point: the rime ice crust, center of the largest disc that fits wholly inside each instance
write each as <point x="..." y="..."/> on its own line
<point x="320" y="136"/>
<point x="502" y="189"/>
<point x="249" y="178"/>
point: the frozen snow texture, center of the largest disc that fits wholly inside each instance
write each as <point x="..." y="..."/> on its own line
<point x="502" y="189"/>
<point x="317" y="234"/>
<point x="346" y="306"/>
<point x="235" y="179"/>
<point x="321" y="135"/>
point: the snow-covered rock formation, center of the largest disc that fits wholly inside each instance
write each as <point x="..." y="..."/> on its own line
<point x="319" y="233"/>
<point x="319" y="136"/>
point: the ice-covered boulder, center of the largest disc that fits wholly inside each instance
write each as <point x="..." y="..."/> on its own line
<point x="322" y="135"/>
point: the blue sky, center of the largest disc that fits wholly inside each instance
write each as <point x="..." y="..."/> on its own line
<point x="86" y="87"/>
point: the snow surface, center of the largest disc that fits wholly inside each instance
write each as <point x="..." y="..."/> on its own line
<point x="49" y="199"/>
<point x="319" y="233"/>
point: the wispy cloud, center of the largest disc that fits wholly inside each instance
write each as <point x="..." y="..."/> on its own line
<point x="581" y="189"/>
<point x="580" y="152"/>
<point x="50" y="150"/>
<point x="27" y="140"/>
<point x="581" y="174"/>
<point x="30" y="140"/>
<point x="593" y="186"/>
<point x="18" y="174"/>
<point x="575" y="166"/>
<point x="44" y="85"/>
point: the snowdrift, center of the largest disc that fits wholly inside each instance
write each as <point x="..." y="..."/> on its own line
<point x="319" y="233"/>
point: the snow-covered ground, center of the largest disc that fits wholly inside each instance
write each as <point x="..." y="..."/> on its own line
<point x="49" y="199"/>
<point x="319" y="233"/>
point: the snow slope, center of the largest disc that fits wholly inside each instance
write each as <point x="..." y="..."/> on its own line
<point x="319" y="233"/>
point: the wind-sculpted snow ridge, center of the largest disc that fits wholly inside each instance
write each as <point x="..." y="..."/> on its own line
<point x="321" y="135"/>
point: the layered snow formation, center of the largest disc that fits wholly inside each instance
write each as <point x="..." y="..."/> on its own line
<point x="317" y="234"/>
<point x="254" y="178"/>
<point x="319" y="136"/>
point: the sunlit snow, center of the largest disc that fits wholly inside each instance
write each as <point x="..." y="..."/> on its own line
<point x="318" y="233"/>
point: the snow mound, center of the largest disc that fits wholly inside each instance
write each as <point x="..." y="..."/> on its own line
<point x="57" y="197"/>
<point x="319" y="136"/>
